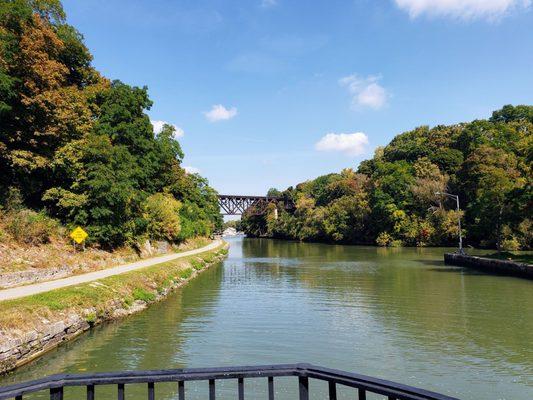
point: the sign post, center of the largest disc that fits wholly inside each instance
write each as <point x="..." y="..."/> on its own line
<point x="79" y="235"/>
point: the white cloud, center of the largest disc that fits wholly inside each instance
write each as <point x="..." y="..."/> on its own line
<point x="158" y="127"/>
<point x="220" y="113"/>
<point x="366" y="92"/>
<point x="352" y="144"/>
<point x="268" y="3"/>
<point x="191" y="170"/>
<point x="463" y="9"/>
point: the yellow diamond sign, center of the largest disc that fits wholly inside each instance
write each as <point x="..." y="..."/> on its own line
<point x="78" y="235"/>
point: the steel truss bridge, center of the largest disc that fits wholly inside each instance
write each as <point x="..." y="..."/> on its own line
<point x="238" y="205"/>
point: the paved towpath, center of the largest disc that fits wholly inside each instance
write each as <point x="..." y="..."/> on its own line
<point x="22" y="291"/>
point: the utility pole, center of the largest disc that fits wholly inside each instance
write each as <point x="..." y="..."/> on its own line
<point x="456" y="197"/>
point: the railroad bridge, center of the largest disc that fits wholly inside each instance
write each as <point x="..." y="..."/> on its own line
<point x="238" y="205"/>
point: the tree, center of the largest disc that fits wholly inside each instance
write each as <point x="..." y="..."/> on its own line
<point x="513" y="113"/>
<point x="43" y="104"/>
<point x="492" y="175"/>
<point x="161" y="212"/>
<point x="391" y="199"/>
<point x="82" y="146"/>
<point x="273" y="192"/>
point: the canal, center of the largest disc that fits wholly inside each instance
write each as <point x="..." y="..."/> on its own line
<point x="398" y="314"/>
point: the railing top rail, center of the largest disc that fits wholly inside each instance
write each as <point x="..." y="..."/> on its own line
<point x="375" y="385"/>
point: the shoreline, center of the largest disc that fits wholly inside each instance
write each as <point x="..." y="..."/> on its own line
<point x="373" y="245"/>
<point x="90" y="304"/>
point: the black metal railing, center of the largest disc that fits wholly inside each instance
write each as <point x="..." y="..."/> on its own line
<point x="304" y="372"/>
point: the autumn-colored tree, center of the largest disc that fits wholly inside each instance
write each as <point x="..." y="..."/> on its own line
<point x="45" y="70"/>
<point x="83" y="147"/>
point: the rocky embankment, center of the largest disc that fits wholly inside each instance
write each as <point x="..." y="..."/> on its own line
<point x="21" y="345"/>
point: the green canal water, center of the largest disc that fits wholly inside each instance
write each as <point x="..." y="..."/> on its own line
<point x="398" y="314"/>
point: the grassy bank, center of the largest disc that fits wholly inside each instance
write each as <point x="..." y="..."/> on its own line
<point x="35" y="324"/>
<point x="142" y="284"/>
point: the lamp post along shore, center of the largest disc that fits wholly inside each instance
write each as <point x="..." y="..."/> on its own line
<point x="456" y="197"/>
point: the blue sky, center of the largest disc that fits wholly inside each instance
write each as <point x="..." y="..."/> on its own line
<point x="269" y="93"/>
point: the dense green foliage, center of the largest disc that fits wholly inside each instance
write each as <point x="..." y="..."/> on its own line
<point x="82" y="148"/>
<point x="391" y="201"/>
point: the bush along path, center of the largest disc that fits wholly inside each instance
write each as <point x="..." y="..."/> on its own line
<point x="37" y="323"/>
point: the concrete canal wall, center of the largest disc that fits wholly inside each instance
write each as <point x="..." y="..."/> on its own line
<point x="490" y="265"/>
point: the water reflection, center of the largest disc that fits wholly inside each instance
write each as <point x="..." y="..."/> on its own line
<point x="400" y="314"/>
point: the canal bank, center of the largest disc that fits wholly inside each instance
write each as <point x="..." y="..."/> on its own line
<point x="491" y="265"/>
<point x="35" y="324"/>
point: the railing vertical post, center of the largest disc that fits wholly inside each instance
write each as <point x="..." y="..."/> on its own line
<point x="212" y="389"/>
<point x="270" y="388"/>
<point x="362" y="394"/>
<point x="303" y="384"/>
<point x="120" y="394"/>
<point x="181" y="390"/>
<point x="56" y="393"/>
<point x="151" y="391"/>
<point x="90" y="392"/>
<point x="332" y="390"/>
<point x="241" y="388"/>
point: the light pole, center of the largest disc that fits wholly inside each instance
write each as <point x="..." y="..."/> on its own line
<point x="456" y="197"/>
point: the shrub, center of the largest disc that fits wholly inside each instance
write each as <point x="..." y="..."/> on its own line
<point x="511" y="244"/>
<point x="161" y="212"/>
<point x="127" y="301"/>
<point x="144" y="295"/>
<point x="383" y="239"/>
<point x="525" y="234"/>
<point x="197" y="264"/>
<point x="30" y="227"/>
<point x="186" y="273"/>
<point x="91" y="318"/>
<point x="3" y="234"/>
